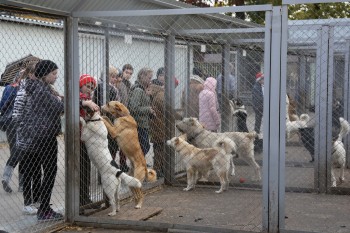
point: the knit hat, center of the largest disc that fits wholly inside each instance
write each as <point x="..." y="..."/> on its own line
<point x="259" y="76"/>
<point x="44" y="67"/>
<point x="86" y="78"/>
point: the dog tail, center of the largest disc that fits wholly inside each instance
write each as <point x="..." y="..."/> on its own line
<point x="251" y="135"/>
<point x="227" y="145"/>
<point x="345" y="128"/>
<point x="304" y="117"/>
<point x="151" y="175"/>
<point x="129" y="180"/>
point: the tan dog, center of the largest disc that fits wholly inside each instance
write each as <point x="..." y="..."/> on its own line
<point x="94" y="134"/>
<point x="202" y="160"/>
<point x="124" y="131"/>
<point x="202" y="138"/>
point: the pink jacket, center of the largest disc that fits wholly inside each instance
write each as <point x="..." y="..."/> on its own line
<point x="208" y="105"/>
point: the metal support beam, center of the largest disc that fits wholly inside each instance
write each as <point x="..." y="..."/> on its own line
<point x="167" y="12"/>
<point x="72" y="132"/>
<point x="225" y="116"/>
<point x="274" y="122"/>
<point x="329" y="105"/>
<point x="347" y="96"/>
<point x="321" y="98"/>
<point x="169" y="106"/>
<point x="310" y="1"/>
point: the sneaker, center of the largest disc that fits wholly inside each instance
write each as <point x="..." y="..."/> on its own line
<point x="49" y="215"/>
<point x="36" y="205"/>
<point x="30" y="210"/>
<point x="6" y="186"/>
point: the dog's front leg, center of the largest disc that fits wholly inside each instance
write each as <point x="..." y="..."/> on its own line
<point x="333" y="179"/>
<point x="233" y="172"/>
<point x="222" y="183"/>
<point x="341" y="177"/>
<point x="110" y="127"/>
<point x="190" y="179"/>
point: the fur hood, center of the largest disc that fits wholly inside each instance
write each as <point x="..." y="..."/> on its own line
<point x="196" y="79"/>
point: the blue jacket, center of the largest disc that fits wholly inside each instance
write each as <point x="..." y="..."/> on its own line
<point x="41" y="117"/>
<point x="8" y="98"/>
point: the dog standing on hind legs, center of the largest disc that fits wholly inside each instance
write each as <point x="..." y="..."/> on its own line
<point x="124" y="131"/>
<point x="339" y="152"/>
<point x="94" y="134"/>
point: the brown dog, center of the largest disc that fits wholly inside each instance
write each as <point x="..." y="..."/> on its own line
<point x="124" y="131"/>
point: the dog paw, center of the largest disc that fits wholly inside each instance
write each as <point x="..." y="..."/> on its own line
<point x="187" y="189"/>
<point x="113" y="213"/>
<point x="138" y="206"/>
<point x="219" y="191"/>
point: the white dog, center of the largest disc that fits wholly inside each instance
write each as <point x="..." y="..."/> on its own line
<point x="202" y="138"/>
<point x="202" y="160"/>
<point x="293" y="127"/>
<point x="339" y="153"/>
<point x="94" y="134"/>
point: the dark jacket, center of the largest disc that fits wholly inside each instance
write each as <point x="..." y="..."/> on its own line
<point x="139" y="105"/>
<point x="98" y="94"/>
<point x="257" y="97"/>
<point x="41" y="118"/>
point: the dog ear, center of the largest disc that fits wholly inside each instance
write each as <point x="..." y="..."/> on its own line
<point x="177" y="141"/>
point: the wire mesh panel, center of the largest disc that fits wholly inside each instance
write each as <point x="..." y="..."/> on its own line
<point x="32" y="147"/>
<point x="161" y="80"/>
<point x="317" y="125"/>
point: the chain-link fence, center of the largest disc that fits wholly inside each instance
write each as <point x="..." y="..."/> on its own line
<point x="204" y="75"/>
<point x="32" y="152"/>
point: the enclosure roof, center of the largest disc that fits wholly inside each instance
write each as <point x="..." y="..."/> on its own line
<point x="92" y="11"/>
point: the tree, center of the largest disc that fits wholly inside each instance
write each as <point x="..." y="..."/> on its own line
<point x="319" y="11"/>
<point x="295" y="11"/>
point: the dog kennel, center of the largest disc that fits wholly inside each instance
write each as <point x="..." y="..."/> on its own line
<point x="306" y="59"/>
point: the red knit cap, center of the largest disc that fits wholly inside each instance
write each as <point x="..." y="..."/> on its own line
<point x="86" y="78"/>
<point x="259" y="76"/>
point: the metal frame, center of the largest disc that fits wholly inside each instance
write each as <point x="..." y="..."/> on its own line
<point x="72" y="138"/>
<point x="347" y="96"/>
<point x="167" y="12"/>
<point x="309" y="1"/>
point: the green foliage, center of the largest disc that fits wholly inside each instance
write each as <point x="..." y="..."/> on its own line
<point x="295" y="11"/>
<point x="319" y="11"/>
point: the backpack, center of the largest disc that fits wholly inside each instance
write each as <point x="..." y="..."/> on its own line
<point x="8" y="100"/>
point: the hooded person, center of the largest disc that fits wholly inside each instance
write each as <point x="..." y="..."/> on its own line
<point x="39" y="126"/>
<point x="208" y="106"/>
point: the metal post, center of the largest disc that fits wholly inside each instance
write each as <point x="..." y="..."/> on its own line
<point x="302" y="85"/>
<point x="274" y="121"/>
<point x="347" y="95"/>
<point x="329" y="105"/>
<point x="321" y="111"/>
<point x="225" y="124"/>
<point x="169" y="106"/>
<point x="72" y="135"/>
<point x="106" y="96"/>
<point x="187" y="85"/>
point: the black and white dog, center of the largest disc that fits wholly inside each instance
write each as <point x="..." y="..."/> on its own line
<point x="241" y="120"/>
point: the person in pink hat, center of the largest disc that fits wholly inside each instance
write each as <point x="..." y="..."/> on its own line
<point x="258" y="100"/>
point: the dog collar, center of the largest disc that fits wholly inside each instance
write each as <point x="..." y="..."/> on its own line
<point x="93" y="120"/>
